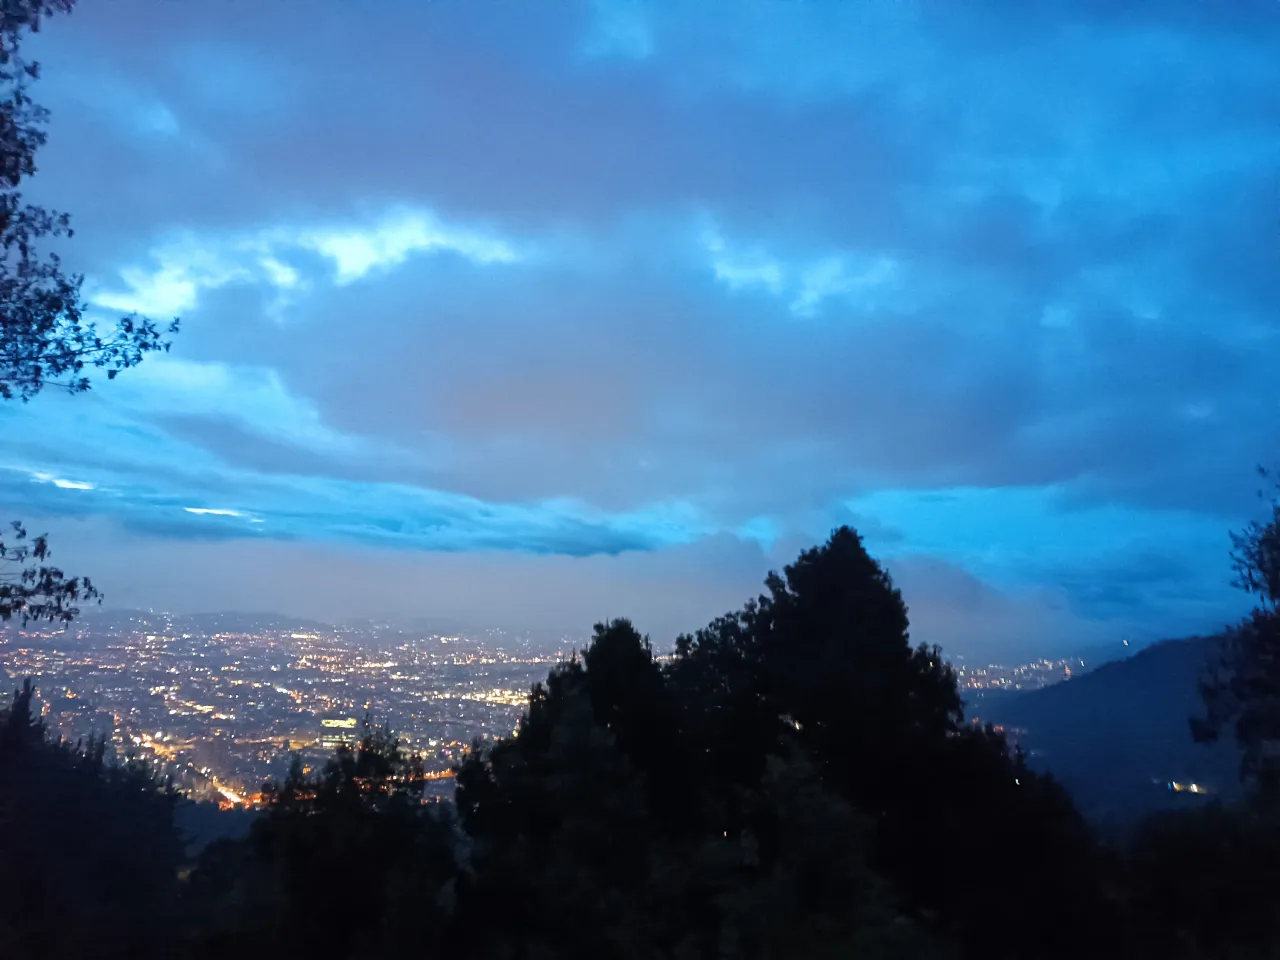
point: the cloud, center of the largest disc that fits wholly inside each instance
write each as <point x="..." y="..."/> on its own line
<point x="620" y="29"/>
<point x="62" y="483"/>
<point x="620" y="278"/>
<point x="186" y="266"/>
<point x="253" y="397"/>
<point x="190" y="264"/>
<point x="975" y="621"/>
<point x="666" y="591"/>
<point x="150" y="478"/>
<point x="806" y="284"/>
<point x="393" y="240"/>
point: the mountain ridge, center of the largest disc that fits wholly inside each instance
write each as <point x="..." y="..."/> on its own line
<point x="1117" y="735"/>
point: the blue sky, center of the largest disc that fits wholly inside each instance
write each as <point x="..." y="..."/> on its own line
<point x="550" y="312"/>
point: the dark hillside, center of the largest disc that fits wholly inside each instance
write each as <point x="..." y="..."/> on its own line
<point x="1116" y="736"/>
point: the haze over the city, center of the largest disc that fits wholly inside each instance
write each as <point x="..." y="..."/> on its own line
<point x="542" y="314"/>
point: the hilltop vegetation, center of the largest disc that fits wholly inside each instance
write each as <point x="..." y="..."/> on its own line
<point x="798" y="781"/>
<point x="89" y="847"/>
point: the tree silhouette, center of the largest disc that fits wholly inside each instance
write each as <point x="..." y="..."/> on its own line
<point x="374" y="774"/>
<point x="826" y="651"/>
<point x="574" y="848"/>
<point x="797" y="782"/>
<point x="31" y="589"/>
<point x="78" y="829"/>
<point x="1205" y="883"/>
<point x="824" y="658"/>
<point x="45" y="338"/>
<point x="1240" y="687"/>
<point x="819" y="896"/>
<point x="347" y="862"/>
<point x="23" y="730"/>
<point x="74" y="829"/>
<point x="628" y="696"/>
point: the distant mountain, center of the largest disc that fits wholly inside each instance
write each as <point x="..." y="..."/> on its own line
<point x="438" y="624"/>
<point x="211" y="621"/>
<point x="1117" y="735"/>
<point x="1100" y="654"/>
<point x="236" y="620"/>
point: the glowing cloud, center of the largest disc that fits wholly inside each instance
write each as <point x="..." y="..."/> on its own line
<point x="63" y="484"/>
<point x="357" y="252"/>
<point x="736" y="271"/>
<point x="805" y="283"/>
<point x="189" y="264"/>
<point x="186" y="266"/>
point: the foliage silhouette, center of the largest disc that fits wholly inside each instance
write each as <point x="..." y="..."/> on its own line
<point x="76" y="829"/>
<point x="826" y="652"/>
<point x="344" y="863"/>
<point x="31" y="589"/>
<point x="1205" y="884"/>
<point x="1240" y="687"/>
<point x="45" y="337"/>
<point x="576" y="849"/>
<point x="797" y="781"/>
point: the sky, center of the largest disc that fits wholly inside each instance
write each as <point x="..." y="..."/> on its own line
<point x="540" y="313"/>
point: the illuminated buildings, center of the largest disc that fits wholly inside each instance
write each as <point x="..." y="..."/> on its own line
<point x="220" y="702"/>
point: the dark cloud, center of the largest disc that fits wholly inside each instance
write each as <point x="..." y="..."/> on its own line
<point x="614" y="278"/>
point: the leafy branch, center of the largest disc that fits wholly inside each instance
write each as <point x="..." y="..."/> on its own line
<point x="31" y="589"/>
<point x="45" y="339"/>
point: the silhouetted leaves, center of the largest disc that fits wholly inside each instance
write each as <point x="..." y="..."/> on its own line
<point x="1241" y="683"/>
<point x="31" y="589"/>
<point x="45" y="337"/>
<point x="824" y="659"/>
<point x="577" y="849"/>
<point x="1206" y="883"/>
<point x="89" y="847"/>
<point x="348" y="862"/>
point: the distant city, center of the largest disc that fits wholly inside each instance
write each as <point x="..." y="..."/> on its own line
<point x="219" y="702"/>
<point x="994" y="677"/>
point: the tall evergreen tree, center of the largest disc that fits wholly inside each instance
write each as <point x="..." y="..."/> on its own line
<point x="826" y="654"/>
<point x="578" y="853"/>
